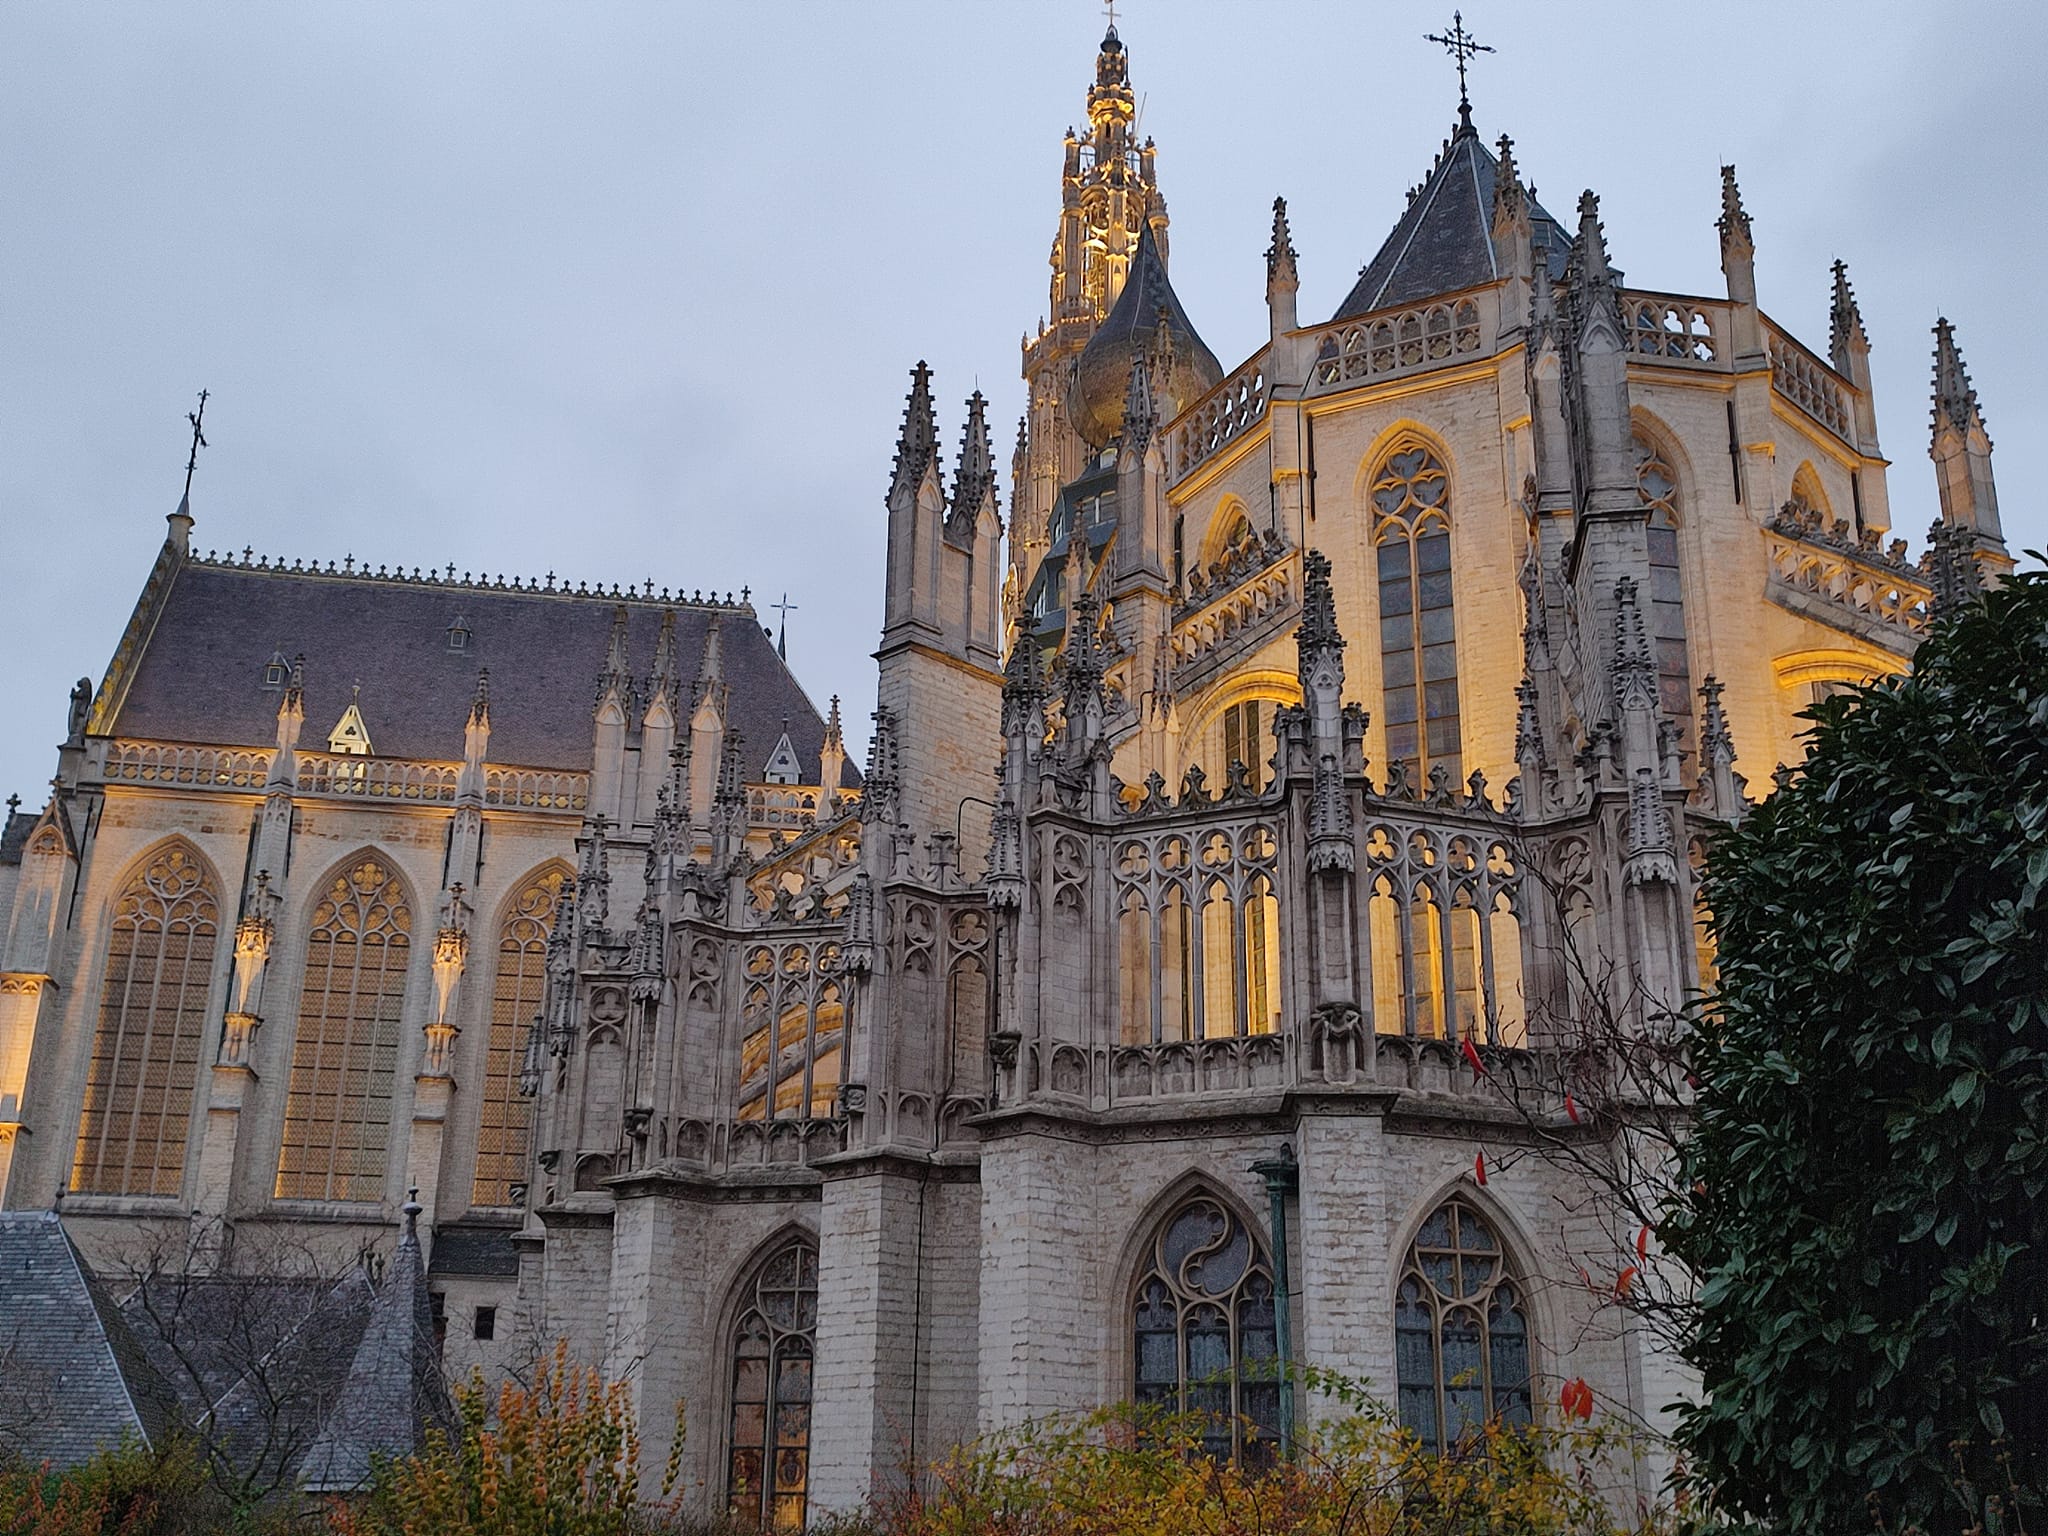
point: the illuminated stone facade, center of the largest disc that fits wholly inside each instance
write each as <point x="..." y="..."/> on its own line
<point x="1119" y="1022"/>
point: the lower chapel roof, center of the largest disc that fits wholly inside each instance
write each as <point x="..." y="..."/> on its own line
<point x="388" y="644"/>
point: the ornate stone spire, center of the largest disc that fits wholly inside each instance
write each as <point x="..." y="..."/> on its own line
<point x="975" y="480"/>
<point x="881" y="788"/>
<point x="831" y="757"/>
<point x="1736" y="240"/>
<point x="665" y="682"/>
<point x="1635" y="665"/>
<point x="1280" y="253"/>
<point x="1510" y="201"/>
<point x="1720" y="788"/>
<point x="1317" y="635"/>
<point x="1141" y="415"/>
<point x="1845" y="324"/>
<point x="1961" y="450"/>
<point x="480" y="705"/>
<point x="917" y="445"/>
<point x="615" y="682"/>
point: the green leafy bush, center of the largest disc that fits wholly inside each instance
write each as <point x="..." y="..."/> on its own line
<point x="1867" y="1187"/>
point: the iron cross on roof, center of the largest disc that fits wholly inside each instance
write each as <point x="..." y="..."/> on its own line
<point x="1462" y="46"/>
<point x="785" y="607"/>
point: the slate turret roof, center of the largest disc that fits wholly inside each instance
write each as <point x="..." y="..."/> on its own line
<point x="1102" y="376"/>
<point x="1444" y="240"/>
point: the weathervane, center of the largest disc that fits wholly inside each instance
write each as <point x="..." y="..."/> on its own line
<point x="1462" y="46"/>
<point x="1109" y="6"/>
<point x="198" y="442"/>
<point x="785" y="607"/>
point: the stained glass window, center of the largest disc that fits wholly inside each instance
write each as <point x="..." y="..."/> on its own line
<point x="504" y="1117"/>
<point x="152" y="1018"/>
<point x="1418" y="637"/>
<point x="1203" y="1330"/>
<point x="1461" y="1331"/>
<point x="337" y="1117"/>
<point x="1658" y="485"/>
<point x="774" y="1344"/>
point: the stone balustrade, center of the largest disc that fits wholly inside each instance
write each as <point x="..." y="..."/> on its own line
<point x="1217" y="418"/>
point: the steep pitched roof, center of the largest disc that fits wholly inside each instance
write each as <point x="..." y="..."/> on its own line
<point x="394" y="1393"/>
<point x="73" y="1379"/>
<point x="1444" y="240"/>
<point x="199" y="674"/>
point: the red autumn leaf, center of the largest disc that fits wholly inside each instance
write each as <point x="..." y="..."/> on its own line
<point x="1624" y="1280"/>
<point x="1571" y="1108"/>
<point x="1576" y="1398"/>
<point x="1643" y="1242"/>
<point x="1472" y="1055"/>
<point x="1479" y="1169"/>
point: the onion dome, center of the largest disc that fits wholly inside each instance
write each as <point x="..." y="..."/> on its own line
<point x="1147" y="322"/>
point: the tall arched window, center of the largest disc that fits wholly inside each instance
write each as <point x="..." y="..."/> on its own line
<point x="337" y="1115"/>
<point x="152" y="1018"/>
<point x="504" y="1117"/>
<point x="774" y="1342"/>
<point x="1461" y="1330"/>
<point x="1658" y="485"/>
<point x="1418" y="639"/>
<point x="1203" y="1329"/>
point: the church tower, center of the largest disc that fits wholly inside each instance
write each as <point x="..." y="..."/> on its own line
<point x="1109" y="196"/>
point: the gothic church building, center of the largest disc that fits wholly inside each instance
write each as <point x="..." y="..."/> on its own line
<point x="1282" y="739"/>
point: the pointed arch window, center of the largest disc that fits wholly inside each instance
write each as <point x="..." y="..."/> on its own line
<point x="505" y="1116"/>
<point x="152" y="1018"/>
<point x="337" y="1117"/>
<point x="1418" y="638"/>
<point x="1461" y="1330"/>
<point x="1203" y="1329"/>
<point x="1657" y="484"/>
<point x="774" y="1343"/>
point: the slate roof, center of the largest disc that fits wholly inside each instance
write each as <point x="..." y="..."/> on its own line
<point x="394" y="1392"/>
<point x="1102" y="374"/>
<point x="73" y="1378"/>
<point x="474" y="1251"/>
<point x="1444" y="240"/>
<point x="199" y="676"/>
<point x="14" y="831"/>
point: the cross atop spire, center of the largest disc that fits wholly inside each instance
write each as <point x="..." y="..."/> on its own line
<point x="1464" y="47"/>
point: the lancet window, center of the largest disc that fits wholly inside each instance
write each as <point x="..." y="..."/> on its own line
<point x="152" y="1019"/>
<point x="1199" y="942"/>
<point x="1418" y="638"/>
<point x="1203" y="1329"/>
<point x="505" y="1117"/>
<point x="1461" y="1331"/>
<point x="1658" y="485"/>
<point x="774" y="1343"/>
<point x="793" y="1020"/>
<point x="337" y="1117"/>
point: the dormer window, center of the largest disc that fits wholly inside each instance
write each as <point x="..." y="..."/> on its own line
<point x="276" y="671"/>
<point x="783" y="765"/>
<point x="350" y="736"/>
<point x="458" y="634"/>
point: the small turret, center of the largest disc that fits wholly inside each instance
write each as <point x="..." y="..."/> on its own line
<point x="1849" y="351"/>
<point x="1961" y="450"/>
<point x="831" y="759"/>
<point x="975" y="481"/>
<point x="1513" y="235"/>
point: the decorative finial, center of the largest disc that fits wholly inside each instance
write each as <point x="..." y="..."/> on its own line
<point x="1462" y="46"/>
<point x="1280" y="252"/>
<point x="1734" y="220"/>
<point x="411" y="1212"/>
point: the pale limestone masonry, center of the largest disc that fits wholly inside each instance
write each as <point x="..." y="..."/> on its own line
<point x="858" y="1117"/>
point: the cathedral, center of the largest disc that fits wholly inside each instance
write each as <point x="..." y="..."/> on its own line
<point x="1289" y="751"/>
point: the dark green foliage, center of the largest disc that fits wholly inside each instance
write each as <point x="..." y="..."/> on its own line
<point x="1867" y="1204"/>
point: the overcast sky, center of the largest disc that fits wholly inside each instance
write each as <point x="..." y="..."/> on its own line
<point x="619" y="291"/>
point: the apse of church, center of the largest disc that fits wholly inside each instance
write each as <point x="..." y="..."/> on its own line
<point x="1319" y="726"/>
